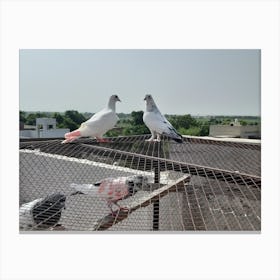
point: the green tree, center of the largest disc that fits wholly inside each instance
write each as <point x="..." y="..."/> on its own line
<point x="193" y="131"/>
<point x="75" y="116"/>
<point x="59" y="118"/>
<point x="243" y="122"/>
<point x="184" y="121"/>
<point x="112" y="133"/>
<point x="31" y="119"/>
<point x="214" y="121"/>
<point x="137" y="117"/>
<point x="22" y="116"/>
<point x="204" y="128"/>
<point x="69" y="123"/>
<point x="226" y="121"/>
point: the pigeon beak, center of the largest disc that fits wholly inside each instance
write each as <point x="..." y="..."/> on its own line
<point x="118" y="100"/>
<point x="145" y="98"/>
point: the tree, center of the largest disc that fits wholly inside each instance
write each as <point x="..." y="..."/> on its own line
<point x="69" y="123"/>
<point x="214" y="121"/>
<point x="194" y="131"/>
<point x="31" y="119"/>
<point x="226" y="121"/>
<point x="204" y="128"/>
<point x="22" y="116"/>
<point x="137" y="117"/>
<point x="136" y="130"/>
<point x="75" y="116"/>
<point x="184" y="121"/>
<point x="243" y="123"/>
<point x="59" y="118"/>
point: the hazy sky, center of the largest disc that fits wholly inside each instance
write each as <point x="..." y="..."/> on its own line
<point x="197" y="82"/>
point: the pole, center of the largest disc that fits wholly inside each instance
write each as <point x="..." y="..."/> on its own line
<point x="156" y="203"/>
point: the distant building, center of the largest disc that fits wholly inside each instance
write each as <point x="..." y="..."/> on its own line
<point x="235" y="130"/>
<point x="45" y="128"/>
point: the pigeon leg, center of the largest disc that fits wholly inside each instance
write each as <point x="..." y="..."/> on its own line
<point x="109" y="203"/>
<point x="113" y="213"/>
<point x="152" y="137"/>
<point x="102" y="140"/>
<point x="158" y="138"/>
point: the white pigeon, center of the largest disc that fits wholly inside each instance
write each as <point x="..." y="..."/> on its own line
<point x="157" y="123"/>
<point x="98" y="124"/>
<point x="42" y="213"/>
<point x="113" y="189"/>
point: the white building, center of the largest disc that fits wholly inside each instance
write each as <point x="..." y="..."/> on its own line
<point x="235" y="130"/>
<point x="45" y="128"/>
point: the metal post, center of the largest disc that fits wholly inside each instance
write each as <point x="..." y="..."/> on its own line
<point x="156" y="203"/>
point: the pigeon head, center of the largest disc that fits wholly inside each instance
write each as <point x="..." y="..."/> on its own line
<point x="57" y="200"/>
<point x="114" y="98"/>
<point x="112" y="102"/>
<point x="148" y="98"/>
<point x="136" y="183"/>
<point x="150" y="103"/>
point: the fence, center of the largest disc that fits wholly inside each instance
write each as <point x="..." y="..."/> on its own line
<point x="197" y="185"/>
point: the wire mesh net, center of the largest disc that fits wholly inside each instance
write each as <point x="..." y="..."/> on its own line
<point x="197" y="185"/>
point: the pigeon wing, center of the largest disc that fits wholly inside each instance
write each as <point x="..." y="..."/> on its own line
<point x="99" y="123"/>
<point x="171" y="131"/>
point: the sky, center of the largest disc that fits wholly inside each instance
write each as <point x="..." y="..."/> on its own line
<point x="182" y="81"/>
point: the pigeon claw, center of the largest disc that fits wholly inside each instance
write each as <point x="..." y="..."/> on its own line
<point x="152" y="140"/>
<point x="103" y="140"/>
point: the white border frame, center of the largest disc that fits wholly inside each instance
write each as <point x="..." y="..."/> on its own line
<point x="146" y="24"/>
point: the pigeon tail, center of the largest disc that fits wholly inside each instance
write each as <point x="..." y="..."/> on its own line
<point x="173" y="134"/>
<point x="178" y="140"/>
<point x="73" y="133"/>
<point x="88" y="189"/>
<point x="71" y="136"/>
